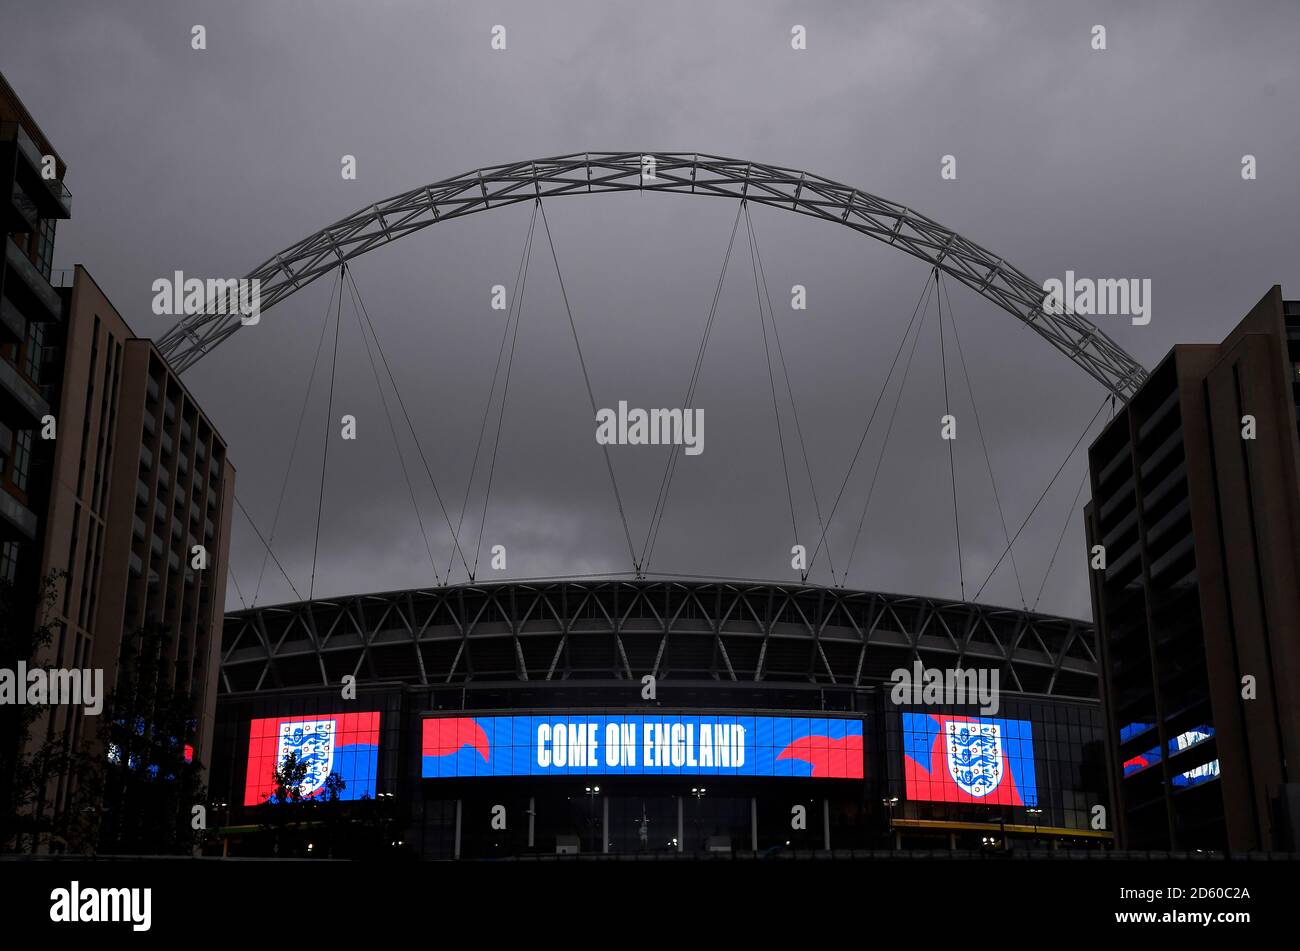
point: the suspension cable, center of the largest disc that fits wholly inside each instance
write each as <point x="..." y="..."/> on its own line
<point x="1062" y="466"/>
<point x="952" y="461"/>
<point x="265" y="545"/>
<point x="889" y="429"/>
<point x="1066" y="527"/>
<point x="230" y="571"/>
<point x="518" y="309"/>
<point x="1069" y="516"/>
<point x="771" y="379"/>
<point x="496" y="371"/>
<point x="329" y="417"/>
<point x="302" y="415"/>
<point x="392" y="380"/>
<point x="392" y="429"/>
<point x="925" y="291"/>
<point x="670" y="466"/>
<point x="573" y="327"/>
<point x="979" y="428"/>
<point x="794" y="409"/>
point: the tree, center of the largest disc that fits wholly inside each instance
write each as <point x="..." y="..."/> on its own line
<point x="26" y="772"/>
<point x="285" y="810"/>
<point x="144" y="773"/>
<point x="333" y="792"/>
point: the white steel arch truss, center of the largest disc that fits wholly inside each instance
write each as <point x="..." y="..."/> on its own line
<point x="483" y="189"/>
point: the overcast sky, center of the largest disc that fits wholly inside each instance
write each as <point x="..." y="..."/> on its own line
<point x="1117" y="163"/>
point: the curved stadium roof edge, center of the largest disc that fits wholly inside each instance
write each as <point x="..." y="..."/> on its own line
<point x="548" y="632"/>
<point x="685" y="582"/>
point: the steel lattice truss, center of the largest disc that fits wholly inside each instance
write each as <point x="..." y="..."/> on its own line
<point x="567" y="631"/>
<point x="585" y="173"/>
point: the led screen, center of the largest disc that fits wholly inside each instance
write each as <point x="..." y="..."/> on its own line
<point x="343" y="743"/>
<point x="969" y="759"/>
<point x="635" y="745"/>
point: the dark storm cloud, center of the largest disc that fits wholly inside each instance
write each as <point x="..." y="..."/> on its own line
<point x="1119" y="163"/>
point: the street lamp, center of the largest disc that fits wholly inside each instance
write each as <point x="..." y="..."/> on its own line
<point x="592" y="793"/>
<point x="698" y="793"/>
<point x="1035" y="812"/>
<point x="643" y="830"/>
<point x="889" y="802"/>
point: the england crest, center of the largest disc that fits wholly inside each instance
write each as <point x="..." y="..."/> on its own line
<point x="975" y="759"/>
<point x="313" y="741"/>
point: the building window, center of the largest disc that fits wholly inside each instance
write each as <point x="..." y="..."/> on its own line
<point x="35" y="345"/>
<point x="45" y="246"/>
<point x="22" y="458"/>
<point x="8" y="561"/>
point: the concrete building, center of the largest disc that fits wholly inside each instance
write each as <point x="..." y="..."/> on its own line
<point x="29" y="308"/>
<point x="140" y="482"/>
<point x="1196" y="499"/>
<point x="111" y="477"/>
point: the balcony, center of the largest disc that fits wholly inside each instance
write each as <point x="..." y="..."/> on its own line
<point x="28" y="288"/>
<point x="51" y="198"/>
<point x="17" y="521"/>
<point x="21" y="214"/>
<point x="13" y="325"/>
<point x="20" y="395"/>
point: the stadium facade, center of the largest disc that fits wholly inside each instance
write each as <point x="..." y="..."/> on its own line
<point x="517" y="718"/>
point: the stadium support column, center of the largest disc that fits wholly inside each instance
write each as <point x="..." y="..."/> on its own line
<point x="681" y="842"/>
<point x="532" y="818"/>
<point x="456" y="851"/>
<point x="604" y="826"/>
<point x="826" y="824"/>
<point x="753" y="823"/>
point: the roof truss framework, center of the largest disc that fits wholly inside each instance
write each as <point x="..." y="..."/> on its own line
<point x="498" y="186"/>
<point x="620" y="630"/>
